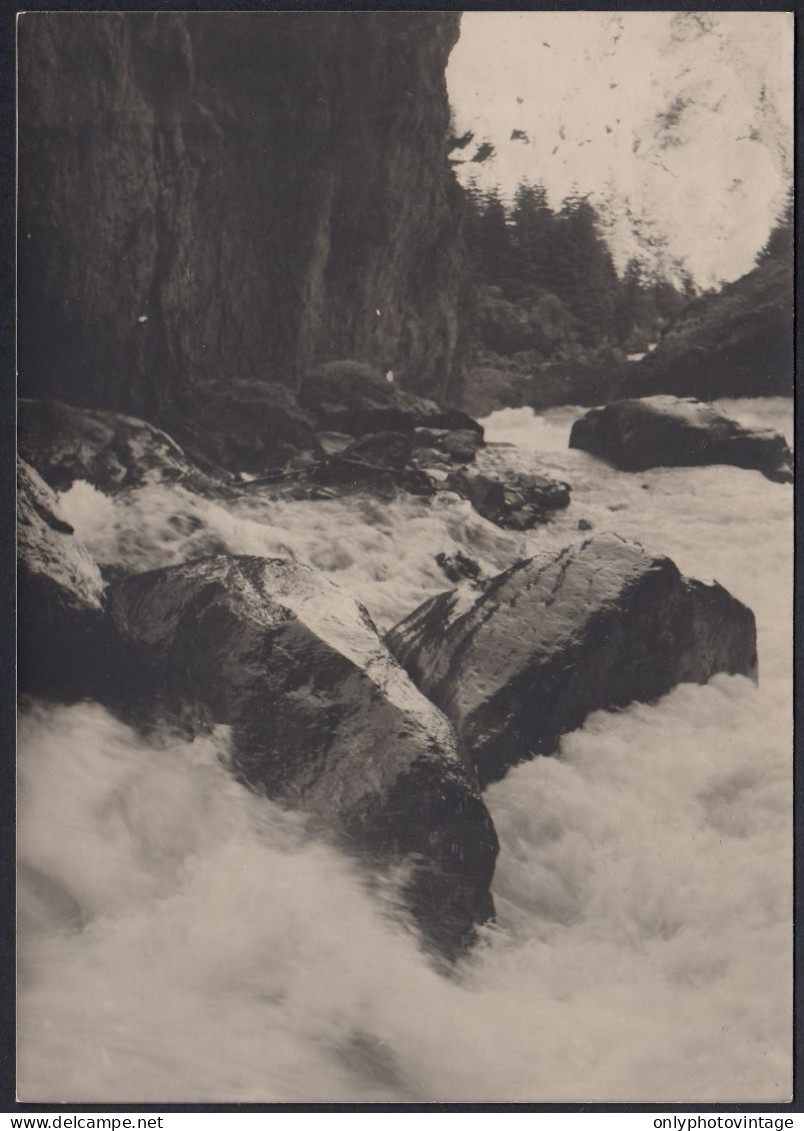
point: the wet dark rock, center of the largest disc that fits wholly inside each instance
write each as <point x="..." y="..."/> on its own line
<point x="459" y="446"/>
<point x="588" y="382"/>
<point x="517" y="501"/>
<point x="352" y="397"/>
<point x="665" y="431"/>
<point x="736" y="342"/>
<point x="243" y="426"/>
<point x="598" y="625"/>
<point x="323" y="718"/>
<point x="107" y="449"/>
<point x="567" y="375"/>
<point x="453" y="420"/>
<point x="60" y="598"/>
<point x="493" y="383"/>
<point x="458" y="566"/>
<point x="345" y="475"/>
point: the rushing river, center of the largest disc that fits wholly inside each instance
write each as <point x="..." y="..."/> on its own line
<point x="182" y="940"/>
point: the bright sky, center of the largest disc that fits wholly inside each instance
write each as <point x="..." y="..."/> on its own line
<point x="687" y="115"/>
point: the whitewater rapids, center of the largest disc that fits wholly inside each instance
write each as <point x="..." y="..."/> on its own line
<point x="182" y="940"/>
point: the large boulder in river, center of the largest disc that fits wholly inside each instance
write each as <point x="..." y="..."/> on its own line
<point x="598" y="625"/>
<point x="665" y="431"/>
<point x="108" y="449"/>
<point x="322" y="717"/>
<point x="60" y="598"/>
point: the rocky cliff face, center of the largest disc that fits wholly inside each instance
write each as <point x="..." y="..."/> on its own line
<point x="210" y="196"/>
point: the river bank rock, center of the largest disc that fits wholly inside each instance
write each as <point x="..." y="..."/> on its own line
<point x="666" y="431"/>
<point x="108" y="449"/>
<point x="444" y="447"/>
<point x="589" y="382"/>
<point x="60" y="597"/>
<point x="322" y="717"/>
<point x="382" y="449"/>
<point x="516" y="501"/>
<point x="598" y="625"/>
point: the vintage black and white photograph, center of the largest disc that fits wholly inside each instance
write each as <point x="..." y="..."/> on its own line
<point x="405" y="534"/>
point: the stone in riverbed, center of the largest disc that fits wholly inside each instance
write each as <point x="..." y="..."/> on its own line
<point x="598" y="625"/>
<point x="666" y="431"/>
<point x="322" y="717"/>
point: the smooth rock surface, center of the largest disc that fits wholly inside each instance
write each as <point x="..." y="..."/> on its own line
<point x="737" y="342"/>
<point x="598" y="625"/>
<point x="60" y="597"/>
<point x="322" y="716"/>
<point x="665" y="431"/>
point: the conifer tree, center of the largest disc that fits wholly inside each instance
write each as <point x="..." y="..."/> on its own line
<point x="779" y="244"/>
<point x="495" y="254"/>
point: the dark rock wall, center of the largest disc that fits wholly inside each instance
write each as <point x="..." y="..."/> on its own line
<point x="210" y="196"/>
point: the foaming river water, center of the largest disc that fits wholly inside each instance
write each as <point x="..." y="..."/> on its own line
<point x="182" y="940"/>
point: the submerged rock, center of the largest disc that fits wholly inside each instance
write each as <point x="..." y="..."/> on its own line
<point x="60" y="597"/>
<point x="322" y="717"/>
<point x="665" y="431"/>
<point x="598" y="625"/>
<point x="107" y="449"/>
<point x="517" y="501"/>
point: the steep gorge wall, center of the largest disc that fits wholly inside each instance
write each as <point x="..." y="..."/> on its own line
<point x="210" y="197"/>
